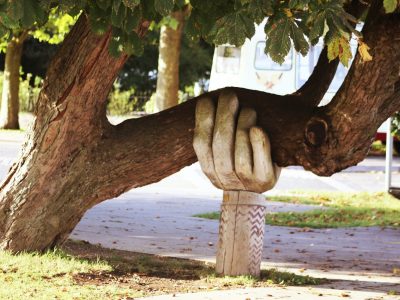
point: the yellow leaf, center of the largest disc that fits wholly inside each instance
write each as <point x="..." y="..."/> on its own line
<point x="363" y="50"/>
<point x="288" y="12"/>
<point x="340" y="47"/>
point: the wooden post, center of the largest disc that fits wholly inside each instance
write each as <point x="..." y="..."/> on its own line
<point x="241" y="233"/>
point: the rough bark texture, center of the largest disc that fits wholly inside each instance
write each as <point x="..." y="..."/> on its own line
<point x="168" y="63"/>
<point x="75" y="159"/>
<point x="9" y="108"/>
<point x="45" y="193"/>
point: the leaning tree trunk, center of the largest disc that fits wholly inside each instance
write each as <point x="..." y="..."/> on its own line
<point x="75" y="159"/>
<point x="9" y="108"/>
<point x="168" y="63"/>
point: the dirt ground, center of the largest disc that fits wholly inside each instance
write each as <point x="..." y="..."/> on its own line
<point x="156" y="275"/>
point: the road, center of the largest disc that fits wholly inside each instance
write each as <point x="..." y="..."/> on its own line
<point x="366" y="176"/>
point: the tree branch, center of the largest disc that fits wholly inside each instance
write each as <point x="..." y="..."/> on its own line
<point x="324" y="140"/>
<point x="317" y="85"/>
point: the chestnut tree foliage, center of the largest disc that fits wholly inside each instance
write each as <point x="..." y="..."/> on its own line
<point x="291" y="23"/>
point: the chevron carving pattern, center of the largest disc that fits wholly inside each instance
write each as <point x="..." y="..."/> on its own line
<point x="241" y="234"/>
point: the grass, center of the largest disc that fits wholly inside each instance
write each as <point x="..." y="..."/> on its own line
<point x="85" y="271"/>
<point x="269" y="277"/>
<point x="52" y="276"/>
<point x="337" y="210"/>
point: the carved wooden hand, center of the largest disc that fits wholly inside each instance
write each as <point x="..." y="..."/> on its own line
<point x="233" y="156"/>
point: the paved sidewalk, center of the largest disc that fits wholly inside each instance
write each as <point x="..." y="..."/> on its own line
<point x="297" y="293"/>
<point x="359" y="260"/>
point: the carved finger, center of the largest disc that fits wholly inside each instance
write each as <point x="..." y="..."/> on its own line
<point x="265" y="172"/>
<point x="243" y="149"/>
<point x="223" y="141"/>
<point x="202" y="140"/>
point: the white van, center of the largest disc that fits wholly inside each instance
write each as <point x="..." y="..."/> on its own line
<point x="249" y="67"/>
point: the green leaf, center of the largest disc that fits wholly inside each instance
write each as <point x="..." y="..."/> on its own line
<point x="298" y="4"/>
<point x="164" y="7"/>
<point x="16" y="9"/>
<point x="8" y="22"/>
<point x="3" y="31"/>
<point x="234" y="29"/>
<point x="299" y="42"/>
<point x="317" y="29"/>
<point x="67" y="5"/>
<point x="259" y="9"/>
<point x="171" y="22"/>
<point x="118" y="17"/>
<point x="132" y="19"/>
<point x="149" y="12"/>
<point x="390" y="5"/>
<point x="278" y="42"/>
<point x="104" y="4"/>
<point x="99" y="25"/>
<point x="116" y="5"/>
<point x="131" y="3"/>
<point x="32" y="12"/>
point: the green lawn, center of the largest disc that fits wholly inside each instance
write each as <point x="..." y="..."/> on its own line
<point x="337" y="210"/>
<point x="51" y="276"/>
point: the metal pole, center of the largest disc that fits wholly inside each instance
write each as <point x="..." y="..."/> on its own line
<point x="389" y="156"/>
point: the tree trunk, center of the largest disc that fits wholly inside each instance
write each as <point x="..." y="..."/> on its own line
<point x="75" y="159"/>
<point x="45" y="193"/>
<point x="168" y="63"/>
<point x="10" y="99"/>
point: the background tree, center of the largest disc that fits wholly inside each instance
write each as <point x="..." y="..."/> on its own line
<point x="36" y="57"/>
<point x="168" y="61"/>
<point x="9" y="98"/>
<point x="75" y="158"/>
<point x="141" y="72"/>
<point x="53" y="32"/>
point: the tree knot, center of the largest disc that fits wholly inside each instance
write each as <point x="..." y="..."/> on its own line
<point x="316" y="132"/>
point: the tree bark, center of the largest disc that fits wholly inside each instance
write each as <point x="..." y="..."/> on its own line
<point x="45" y="193"/>
<point x="10" y="99"/>
<point x="168" y="63"/>
<point x="75" y="159"/>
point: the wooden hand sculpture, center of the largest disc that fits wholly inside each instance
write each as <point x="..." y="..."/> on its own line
<point x="235" y="155"/>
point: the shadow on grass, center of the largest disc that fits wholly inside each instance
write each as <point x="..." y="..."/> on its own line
<point x="125" y="263"/>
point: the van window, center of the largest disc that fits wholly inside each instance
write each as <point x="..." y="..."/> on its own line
<point x="305" y="66"/>
<point x="228" y="59"/>
<point x="263" y="62"/>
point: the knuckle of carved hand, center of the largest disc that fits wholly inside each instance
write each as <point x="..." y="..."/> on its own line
<point x="267" y="184"/>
